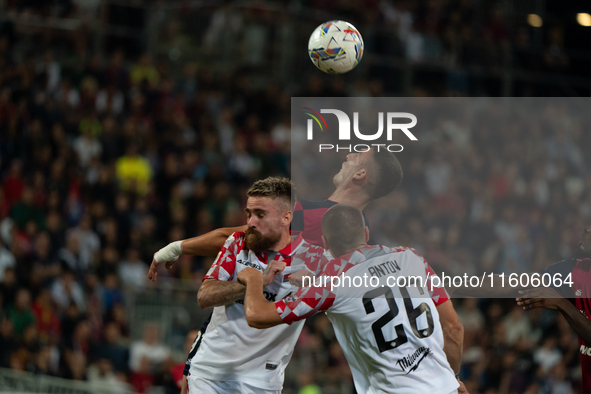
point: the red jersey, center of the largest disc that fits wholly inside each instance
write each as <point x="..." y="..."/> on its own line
<point x="307" y="219"/>
<point x="580" y="295"/>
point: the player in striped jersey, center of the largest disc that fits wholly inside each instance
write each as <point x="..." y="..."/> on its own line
<point x="233" y="357"/>
<point x="390" y="335"/>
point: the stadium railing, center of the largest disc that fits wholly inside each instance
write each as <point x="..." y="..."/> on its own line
<point x="12" y="381"/>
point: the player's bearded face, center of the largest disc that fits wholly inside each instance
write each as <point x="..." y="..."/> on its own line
<point x="257" y="242"/>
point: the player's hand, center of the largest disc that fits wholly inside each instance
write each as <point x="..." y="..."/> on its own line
<point x="273" y="269"/>
<point x="168" y="265"/>
<point x="462" y="389"/>
<point x="543" y="297"/>
<point x="295" y="279"/>
<point x="153" y="271"/>
<point x="169" y="254"/>
<point x="247" y="274"/>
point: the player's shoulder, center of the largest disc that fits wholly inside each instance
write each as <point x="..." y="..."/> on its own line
<point x="338" y="266"/>
<point x="398" y="249"/>
<point x="307" y="247"/>
<point x="237" y="239"/>
<point x="584" y="264"/>
<point x="239" y="234"/>
<point x="566" y="266"/>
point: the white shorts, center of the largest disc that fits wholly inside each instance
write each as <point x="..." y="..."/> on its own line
<point x="206" y="386"/>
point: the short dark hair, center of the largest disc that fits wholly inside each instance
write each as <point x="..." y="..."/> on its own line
<point x="342" y="226"/>
<point x="386" y="175"/>
<point x="274" y="187"/>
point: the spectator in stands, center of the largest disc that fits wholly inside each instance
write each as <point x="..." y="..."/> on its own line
<point x="87" y="147"/>
<point x="110" y="349"/>
<point x="132" y="270"/>
<point x="48" y="323"/>
<point x="6" y="260"/>
<point x="65" y="290"/>
<point x="144" y="70"/>
<point x="147" y="357"/>
<point x="133" y="171"/>
<point x="111" y="292"/>
<point x="25" y="210"/>
<point x="20" y="313"/>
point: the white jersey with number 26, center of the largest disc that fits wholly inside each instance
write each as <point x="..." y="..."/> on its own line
<point x="388" y="327"/>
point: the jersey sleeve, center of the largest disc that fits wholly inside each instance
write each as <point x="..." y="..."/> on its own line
<point x="225" y="263"/>
<point x="311" y="258"/>
<point x="439" y="295"/>
<point x="306" y="302"/>
<point x="563" y="268"/>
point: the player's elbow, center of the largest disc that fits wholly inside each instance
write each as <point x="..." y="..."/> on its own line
<point x="202" y="298"/>
<point x="252" y="318"/>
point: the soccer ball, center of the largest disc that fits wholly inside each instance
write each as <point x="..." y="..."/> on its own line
<point x="335" y="47"/>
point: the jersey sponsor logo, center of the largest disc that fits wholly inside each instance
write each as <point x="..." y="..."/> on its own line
<point x="578" y="293"/>
<point x="411" y="362"/>
<point x="271" y="297"/>
<point x="585" y="351"/>
<point x="250" y="264"/>
<point x="271" y="366"/>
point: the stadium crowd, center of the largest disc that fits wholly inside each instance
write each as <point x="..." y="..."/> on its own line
<point x="107" y="160"/>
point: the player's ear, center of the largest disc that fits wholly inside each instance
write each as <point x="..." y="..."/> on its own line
<point x="287" y="216"/>
<point x="325" y="243"/>
<point x="366" y="234"/>
<point x="360" y="174"/>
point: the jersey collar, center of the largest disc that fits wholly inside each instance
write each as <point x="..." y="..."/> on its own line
<point x="350" y="254"/>
<point x="294" y="245"/>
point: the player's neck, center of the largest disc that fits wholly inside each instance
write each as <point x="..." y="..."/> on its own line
<point x="338" y="253"/>
<point x="283" y="242"/>
<point x="350" y="197"/>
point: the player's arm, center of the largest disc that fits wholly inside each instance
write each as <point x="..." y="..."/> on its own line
<point x="453" y="334"/>
<point x="208" y="244"/>
<point x="259" y="312"/>
<point x="215" y="292"/>
<point x="184" y="385"/>
<point x="453" y="330"/>
<point x="218" y="287"/>
<point x="548" y="298"/>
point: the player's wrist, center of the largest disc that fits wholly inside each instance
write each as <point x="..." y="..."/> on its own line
<point x="170" y="252"/>
<point x="561" y="304"/>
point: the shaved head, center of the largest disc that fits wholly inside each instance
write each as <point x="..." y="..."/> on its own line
<point x="343" y="227"/>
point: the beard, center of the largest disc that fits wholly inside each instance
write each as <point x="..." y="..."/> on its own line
<point x="257" y="242"/>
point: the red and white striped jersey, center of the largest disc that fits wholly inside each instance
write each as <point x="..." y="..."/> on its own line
<point x="230" y="350"/>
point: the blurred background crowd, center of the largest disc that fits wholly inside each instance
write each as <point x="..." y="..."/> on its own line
<point x="125" y="125"/>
